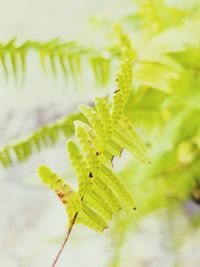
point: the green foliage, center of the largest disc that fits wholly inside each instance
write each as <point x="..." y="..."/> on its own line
<point x="55" y="57"/>
<point x="100" y="191"/>
<point x="44" y="137"/>
<point x="168" y="119"/>
<point x="162" y="101"/>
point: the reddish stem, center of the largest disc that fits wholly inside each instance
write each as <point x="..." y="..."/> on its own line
<point x="65" y="241"/>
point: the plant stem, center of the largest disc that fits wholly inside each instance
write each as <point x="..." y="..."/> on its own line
<point x="65" y="241"/>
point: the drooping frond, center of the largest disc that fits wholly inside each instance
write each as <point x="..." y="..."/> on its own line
<point x="55" y="57"/>
<point x="69" y="59"/>
<point x="44" y="137"/>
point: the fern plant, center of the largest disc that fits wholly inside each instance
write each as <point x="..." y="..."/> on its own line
<point x="161" y="100"/>
<point x="100" y="191"/>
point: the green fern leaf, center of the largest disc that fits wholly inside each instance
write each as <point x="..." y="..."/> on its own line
<point x="103" y="136"/>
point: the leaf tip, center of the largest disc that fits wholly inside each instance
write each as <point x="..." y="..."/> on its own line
<point x="43" y="171"/>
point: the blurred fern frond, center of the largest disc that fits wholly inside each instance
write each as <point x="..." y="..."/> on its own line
<point x="174" y="39"/>
<point x="55" y="57"/>
<point x="44" y="137"/>
<point x="152" y="17"/>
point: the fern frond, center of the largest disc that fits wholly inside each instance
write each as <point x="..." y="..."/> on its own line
<point x="44" y="137"/>
<point x="55" y="57"/>
<point x="100" y="190"/>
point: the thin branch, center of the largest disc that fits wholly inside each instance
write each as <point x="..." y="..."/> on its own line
<point x="65" y="241"/>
